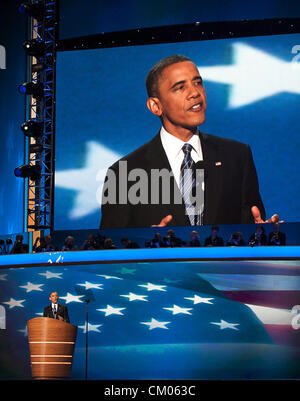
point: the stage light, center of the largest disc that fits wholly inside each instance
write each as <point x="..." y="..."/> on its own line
<point x="36" y="10"/>
<point x="32" y="128"/>
<point x="34" y="47"/>
<point x="32" y="88"/>
<point x="28" y="171"/>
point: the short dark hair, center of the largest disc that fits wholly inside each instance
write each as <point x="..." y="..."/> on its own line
<point x="156" y="72"/>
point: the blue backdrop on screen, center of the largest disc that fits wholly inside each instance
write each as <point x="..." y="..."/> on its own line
<point x="253" y="95"/>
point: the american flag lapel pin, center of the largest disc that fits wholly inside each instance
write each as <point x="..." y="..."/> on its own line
<point x="217" y="164"/>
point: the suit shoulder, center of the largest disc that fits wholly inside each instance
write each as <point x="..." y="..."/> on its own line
<point x="224" y="142"/>
<point x="138" y="155"/>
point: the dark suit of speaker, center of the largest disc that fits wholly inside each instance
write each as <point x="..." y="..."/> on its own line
<point x="62" y="311"/>
<point x="231" y="186"/>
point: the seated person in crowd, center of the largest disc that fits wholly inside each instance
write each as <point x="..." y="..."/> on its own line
<point x="236" y="239"/>
<point x="194" y="239"/>
<point x="19" y="247"/>
<point x="46" y="244"/>
<point x="99" y="238"/>
<point x="259" y="237"/>
<point x="89" y="244"/>
<point x="69" y="244"/>
<point x="276" y="237"/>
<point x="213" y="239"/>
<point x="129" y="244"/>
<point x="108" y="244"/>
<point x="171" y="241"/>
<point x="156" y="241"/>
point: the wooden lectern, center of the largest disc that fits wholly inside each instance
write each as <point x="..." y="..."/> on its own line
<point x="51" y="344"/>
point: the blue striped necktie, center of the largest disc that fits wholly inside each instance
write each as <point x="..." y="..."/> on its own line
<point x="188" y="182"/>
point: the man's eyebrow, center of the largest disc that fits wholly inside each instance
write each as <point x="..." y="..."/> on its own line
<point x="196" y="78"/>
<point x="178" y="83"/>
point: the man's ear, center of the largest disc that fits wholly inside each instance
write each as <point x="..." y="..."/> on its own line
<point x="154" y="105"/>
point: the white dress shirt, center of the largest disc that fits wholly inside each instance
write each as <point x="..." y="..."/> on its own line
<point x="173" y="148"/>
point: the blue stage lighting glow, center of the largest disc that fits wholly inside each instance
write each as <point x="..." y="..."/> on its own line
<point x="22" y="89"/>
<point x="18" y="172"/>
<point x="159" y="254"/>
<point x="21" y="9"/>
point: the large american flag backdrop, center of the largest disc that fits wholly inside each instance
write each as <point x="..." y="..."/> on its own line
<point x="158" y="319"/>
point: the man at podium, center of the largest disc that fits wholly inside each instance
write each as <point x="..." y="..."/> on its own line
<point x="55" y="310"/>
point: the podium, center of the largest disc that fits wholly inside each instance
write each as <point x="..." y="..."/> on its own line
<point x="51" y="344"/>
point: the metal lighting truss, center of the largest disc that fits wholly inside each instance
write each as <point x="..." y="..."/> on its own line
<point x="42" y="109"/>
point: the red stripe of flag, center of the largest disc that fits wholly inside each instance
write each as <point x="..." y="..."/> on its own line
<point x="272" y="299"/>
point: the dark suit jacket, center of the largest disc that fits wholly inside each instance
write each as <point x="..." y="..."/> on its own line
<point x="277" y="239"/>
<point x="62" y="311"/>
<point x="231" y="186"/>
<point x="217" y="242"/>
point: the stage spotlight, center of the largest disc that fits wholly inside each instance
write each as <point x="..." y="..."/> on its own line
<point x="34" y="47"/>
<point x="33" y="129"/>
<point x="36" y="10"/>
<point x="31" y="88"/>
<point x="28" y="171"/>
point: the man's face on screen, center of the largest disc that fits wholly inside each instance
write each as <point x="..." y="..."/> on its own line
<point x="181" y="101"/>
<point x="54" y="297"/>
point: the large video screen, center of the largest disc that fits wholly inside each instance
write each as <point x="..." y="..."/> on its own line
<point x="252" y="88"/>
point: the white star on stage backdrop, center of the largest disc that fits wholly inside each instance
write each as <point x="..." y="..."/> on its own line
<point x="91" y="327"/>
<point x="125" y="270"/>
<point x="88" y="286"/>
<point x="153" y="287"/>
<point x="135" y="297"/>
<point x="49" y="275"/>
<point x="110" y="310"/>
<point x="154" y="324"/>
<point x="109" y="277"/>
<point x="15" y="303"/>
<point x="226" y="325"/>
<point x="87" y="181"/>
<point x="31" y="287"/>
<point x="197" y="300"/>
<point x="177" y="309"/>
<point x="72" y="298"/>
<point x="255" y="75"/>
